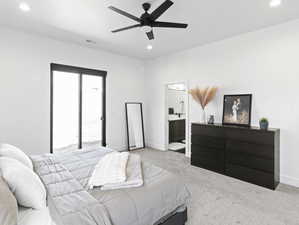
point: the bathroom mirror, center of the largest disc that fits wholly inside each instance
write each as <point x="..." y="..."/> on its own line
<point x="135" y="129"/>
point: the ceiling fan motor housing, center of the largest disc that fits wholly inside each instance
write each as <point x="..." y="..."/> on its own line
<point x="146" y="17"/>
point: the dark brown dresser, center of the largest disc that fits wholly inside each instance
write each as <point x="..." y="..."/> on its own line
<point x="249" y="154"/>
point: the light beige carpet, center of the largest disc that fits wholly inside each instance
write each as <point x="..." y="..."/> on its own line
<point x="221" y="200"/>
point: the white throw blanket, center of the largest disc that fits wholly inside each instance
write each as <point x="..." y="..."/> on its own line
<point x="134" y="175"/>
<point x="110" y="169"/>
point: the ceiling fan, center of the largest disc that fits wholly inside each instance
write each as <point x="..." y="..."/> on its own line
<point x="148" y="21"/>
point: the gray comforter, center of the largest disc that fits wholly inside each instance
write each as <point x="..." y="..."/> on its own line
<point x="66" y="175"/>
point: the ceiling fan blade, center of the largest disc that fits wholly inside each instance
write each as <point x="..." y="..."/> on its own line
<point x="150" y="35"/>
<point x="169" y="25"/>
<point x="161" y="9"/>
<point x="126" y="28"/>
<point x="124" y="13"/>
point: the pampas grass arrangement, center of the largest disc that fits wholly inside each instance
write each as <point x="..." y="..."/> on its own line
<point x="203" y="96"/>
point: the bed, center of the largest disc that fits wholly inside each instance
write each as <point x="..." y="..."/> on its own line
<point x="160" y="201"/>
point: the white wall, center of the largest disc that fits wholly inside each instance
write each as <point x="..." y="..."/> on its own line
<point x="264" y="63"/>
<point x="25" y="87"/>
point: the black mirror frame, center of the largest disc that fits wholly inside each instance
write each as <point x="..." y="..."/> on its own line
<point x="127" y="122"/>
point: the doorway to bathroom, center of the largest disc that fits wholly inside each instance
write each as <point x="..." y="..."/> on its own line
<point x="177" y="118"/>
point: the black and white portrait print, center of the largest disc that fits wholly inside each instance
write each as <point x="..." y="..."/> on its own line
<point x="237" y="109"/>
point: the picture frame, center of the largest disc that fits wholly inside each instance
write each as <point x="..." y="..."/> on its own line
<point x="237" y="110"/>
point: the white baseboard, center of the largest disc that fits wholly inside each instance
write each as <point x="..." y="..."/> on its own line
<point x="289" y="180"/>
<point x="157" y="146"/>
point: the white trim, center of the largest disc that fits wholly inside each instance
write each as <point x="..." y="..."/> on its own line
<point x="289" y="180"/>
<point x="187" y="128"/>
<point x="157" y="146"/>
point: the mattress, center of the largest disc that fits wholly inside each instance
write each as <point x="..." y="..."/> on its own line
<point x="66" y="175"/>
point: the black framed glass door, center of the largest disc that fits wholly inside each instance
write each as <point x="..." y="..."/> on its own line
<point x="78" y="108"/>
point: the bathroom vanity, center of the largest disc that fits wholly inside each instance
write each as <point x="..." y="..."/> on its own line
<point x="176" y="128"/>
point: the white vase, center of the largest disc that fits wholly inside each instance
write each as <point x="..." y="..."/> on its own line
<point x="203" y="117"/>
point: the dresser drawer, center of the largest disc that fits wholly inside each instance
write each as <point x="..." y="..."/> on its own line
<point x="207" y="162"/>
<point x="259" y="150"/>
<point x="250" y="161"/>
<point x="208" y="141"/>
<point x="250" y="175"/>
<point x="207" y="152"/>
<point x="207" y="130"/>
<point x="208" y="158"/>
<point x="251" y="136"/>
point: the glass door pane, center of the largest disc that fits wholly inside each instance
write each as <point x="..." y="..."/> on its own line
<point x="92" y="111"/>
<point x="65" y="111"/>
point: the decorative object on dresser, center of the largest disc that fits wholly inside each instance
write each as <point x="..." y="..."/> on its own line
<point x="237" y="110"/>
<point x="203" y="96"/>
<point x="211" y="119"/>
<point x="264" y="123"/>
<point x="246" y="153"/>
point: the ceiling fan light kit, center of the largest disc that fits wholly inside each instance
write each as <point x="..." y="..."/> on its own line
<point x="146" y="29"/>
<point x="147" y="21"/>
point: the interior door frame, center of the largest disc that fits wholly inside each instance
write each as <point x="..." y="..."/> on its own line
<point x="80" y="71"/>
<point x="187" y="112"/>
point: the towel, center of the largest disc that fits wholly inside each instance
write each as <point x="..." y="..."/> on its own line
<point x="134" y="175"/>
<point x="110" y="169"/>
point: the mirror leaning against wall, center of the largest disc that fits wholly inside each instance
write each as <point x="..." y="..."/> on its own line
<point x="135" y="128"/>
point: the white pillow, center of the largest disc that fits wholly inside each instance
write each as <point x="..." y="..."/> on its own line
<point x="23" y="183"/>
<point x="8" y="205"/>
<point x="11" y="151"/>
<point x="110" y="169"/>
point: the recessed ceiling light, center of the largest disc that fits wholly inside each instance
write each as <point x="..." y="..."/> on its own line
<point x="275" y="3"/>
<point x="149" y="47"/>
<point x="24" y="7"/>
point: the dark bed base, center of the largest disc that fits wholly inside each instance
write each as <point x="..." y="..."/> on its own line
<point x="179" y="218"/>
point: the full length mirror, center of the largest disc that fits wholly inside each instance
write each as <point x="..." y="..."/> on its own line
<point x="135" y="128"/>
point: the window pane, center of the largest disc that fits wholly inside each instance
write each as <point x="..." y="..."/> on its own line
<point x="65" y="111"/>
<point x="92" y="92"/>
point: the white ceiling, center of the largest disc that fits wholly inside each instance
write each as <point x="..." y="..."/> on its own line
<point x="209" y="20"/>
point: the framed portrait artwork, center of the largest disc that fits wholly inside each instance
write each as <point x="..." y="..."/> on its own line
<point x="237" y="110"/>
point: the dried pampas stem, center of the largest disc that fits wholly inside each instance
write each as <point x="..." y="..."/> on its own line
<point x="203" y="96"/>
